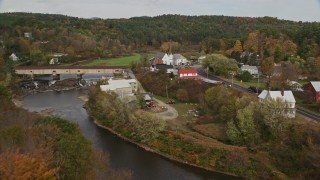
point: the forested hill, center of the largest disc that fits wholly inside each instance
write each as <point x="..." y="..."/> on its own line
<point x="154" y="30"/>
<point x="92" y="38"/>
<point x="194" y="29"/>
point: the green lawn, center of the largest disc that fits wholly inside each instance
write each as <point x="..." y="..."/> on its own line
<point x="253" y="82"/>
<point x="122" y="61"/>
<point x="181" y="107"/>
<point x="303" y="82"/>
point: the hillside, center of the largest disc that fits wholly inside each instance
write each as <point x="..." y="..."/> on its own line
<point x="105" y="38"/>
<point x="150" y="30"/>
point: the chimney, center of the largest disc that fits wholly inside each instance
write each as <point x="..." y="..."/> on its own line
<point x="282" y="91"/>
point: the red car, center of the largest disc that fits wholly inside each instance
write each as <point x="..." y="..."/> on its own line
<point x="170" y="102"/>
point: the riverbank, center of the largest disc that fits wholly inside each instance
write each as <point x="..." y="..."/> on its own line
<point x="154" y="151"/>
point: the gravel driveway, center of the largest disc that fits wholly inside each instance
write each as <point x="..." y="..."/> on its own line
<point x="170" y="113"/>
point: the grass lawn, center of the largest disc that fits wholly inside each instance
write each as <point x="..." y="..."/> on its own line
<point x="122" y="61"/>
<point x="303" y="82"/>
<point x="181" y="107"/>
<point x="253" y="82"/>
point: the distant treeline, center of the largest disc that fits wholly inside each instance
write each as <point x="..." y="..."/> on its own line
<point x="84" y="38"/>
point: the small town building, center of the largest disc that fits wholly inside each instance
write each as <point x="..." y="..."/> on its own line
<point x="191" y="73"/>
<point x="201" y="58"/>
<point x="285" y="96"/>
<point x="253" y="70"/>
<point x="14" y="57"/>
<point x="28" y="35"/>
<point x="161" y="58"/>
<point x="123" y="87"/>
<point x="168" y="68"/>
<point x="168" y="59"/>
<point x="314" y="87"/>
<point x="294" y="85"/>
<point x="277" y="70"/>
<point x="54" y="61"/>
<point x="147" y="99"/>
<point x="178" y="59"/>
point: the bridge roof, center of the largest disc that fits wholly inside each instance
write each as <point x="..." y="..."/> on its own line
<point x="68" y="67"/>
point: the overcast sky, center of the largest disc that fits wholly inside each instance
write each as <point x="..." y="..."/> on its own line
<point x="298" y="10"/>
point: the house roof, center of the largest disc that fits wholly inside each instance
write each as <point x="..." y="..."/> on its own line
<point x="116" y="84"/>
<point x="316" y="85"/>
<point x="291" y="83"/>
<point x="159" y="55"/>
<point x="247" y="67"/>
<point x="287" y="95"/>
<point x="163" y="66"/>
<point x="147" y="97"/>
<point x="277" y="70"/>
<point x="187" y="71"/>
<point x="177" y="56"/>
<point x="156" y="61"/>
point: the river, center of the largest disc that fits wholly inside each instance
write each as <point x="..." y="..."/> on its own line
<point x="123" y="155"/>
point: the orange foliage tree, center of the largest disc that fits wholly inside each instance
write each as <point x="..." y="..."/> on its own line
<point x="14" y="165"/>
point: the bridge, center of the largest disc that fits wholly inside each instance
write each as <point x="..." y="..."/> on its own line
<point x="78" y="70"/>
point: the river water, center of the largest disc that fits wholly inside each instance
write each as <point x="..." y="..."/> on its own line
<point x="123" y="155"/>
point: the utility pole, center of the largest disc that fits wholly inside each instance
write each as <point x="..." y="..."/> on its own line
<point x="232" y="74"/>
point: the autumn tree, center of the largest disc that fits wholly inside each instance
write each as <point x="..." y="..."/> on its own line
<point x="228" y="111"/>
<point x="215" y="98"/>
<point x="14" y="165"/>
<point x="267" y="66"/>
<point x="220" y="64"/>
<point x="144" y="126"/>
<point x="241" y="131"/>
<point x="274" y="115"/>
<point x="255" y="42"/>
<point x="290" y="71"/>
<point x="170" y="47"/>
<point x="182" y="95"/>
<point x="238" y="46"/>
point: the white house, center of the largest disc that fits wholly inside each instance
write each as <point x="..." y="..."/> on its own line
<point x="123" y="87"/>
<point x="285" y="96"/>
<point x="167" y="59"/>
<point x="168" y="68"/>
<point x="294" y="85"/>
<point x="178" y="59"/>
<point x="28" y="35"/>
<point x="14" y="57"/>
<point x="253" y="70"/>
<point x="201" y="58"/>
<point x="54" y="61"/>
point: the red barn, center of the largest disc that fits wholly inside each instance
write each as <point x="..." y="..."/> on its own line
<point x="314" y="87"/>
<point x="191" y="73"/>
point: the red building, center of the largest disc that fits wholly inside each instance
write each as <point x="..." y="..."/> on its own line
<point x="191" y="73"/>
<point x="314" y="87"/>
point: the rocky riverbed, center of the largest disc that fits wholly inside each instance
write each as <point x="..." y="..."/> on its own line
<point x="35" y="86"/>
